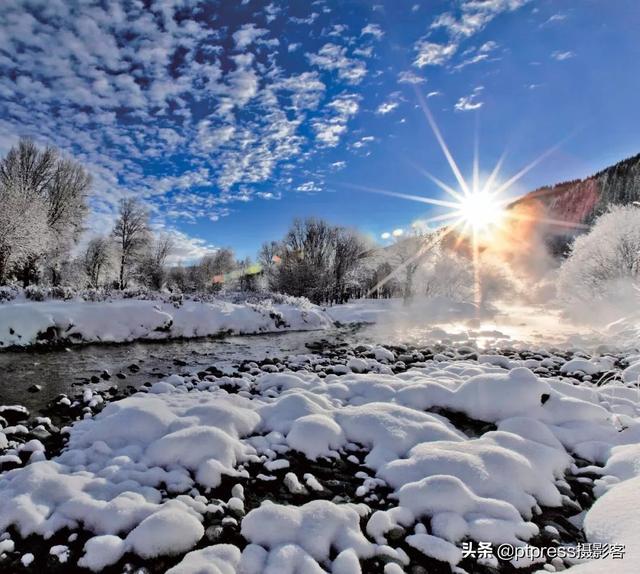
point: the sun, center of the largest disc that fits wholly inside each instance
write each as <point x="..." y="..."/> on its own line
<point x="476" y="210"/>
<point x="481" y="212"/>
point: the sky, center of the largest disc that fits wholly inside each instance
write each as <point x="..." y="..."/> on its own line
<point x="231" y="118"/>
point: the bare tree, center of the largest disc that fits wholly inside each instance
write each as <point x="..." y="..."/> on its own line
<point x="315" y="260"/>
<point x="212" y="268"/>
<point x="349" y="250"/>
<point x="408" y="256"/>
<point x="97" y="259"/>
<point x="67" y="208"/>
<point x="152" y="270"/>
<point x="269" y="258"/>
<point x="131" y="232"/>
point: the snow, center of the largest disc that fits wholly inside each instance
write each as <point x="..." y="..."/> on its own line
<point x="102" y="551"/>
<point x="26" y="323"/>
<point x="217" y="559"/>
<point x="614" y="519"/>
<point x="315" y="435"/>
<point x="435" y="548"/>
<point x="168" y="531"/>
<point x="315" y="527"/>
<point x="134" y="474"/>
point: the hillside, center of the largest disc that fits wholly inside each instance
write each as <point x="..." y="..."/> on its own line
<point x="582" y="201"/>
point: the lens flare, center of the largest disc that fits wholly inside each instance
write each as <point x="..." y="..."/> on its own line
<point x="481" y="211"/>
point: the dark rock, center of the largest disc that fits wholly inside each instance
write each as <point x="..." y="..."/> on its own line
<point x="14" y="414"/>
<point x="34" y="388"/>
<point x="214" y="533"/>
<point x="397" y="533"/>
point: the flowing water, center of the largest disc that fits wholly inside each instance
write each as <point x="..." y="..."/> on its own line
<point x="69" y="370"/>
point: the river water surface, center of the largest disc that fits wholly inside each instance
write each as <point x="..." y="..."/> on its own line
<point x="69" y="370"/>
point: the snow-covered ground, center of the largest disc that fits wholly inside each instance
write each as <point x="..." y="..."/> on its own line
<point x="351" y="458"/>
<point x="32" y="323"/>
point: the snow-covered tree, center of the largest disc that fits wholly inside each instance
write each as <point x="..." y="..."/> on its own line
<point x="24" y="232"/>
<point x="609" y="254"/>
<point x="42" y="176"/>
<point x="97" y="260"/>
<point x="132" y="235"/>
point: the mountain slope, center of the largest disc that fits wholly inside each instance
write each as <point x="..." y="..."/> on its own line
<point x="578" y="203"/>
<point x="582" y="201"/>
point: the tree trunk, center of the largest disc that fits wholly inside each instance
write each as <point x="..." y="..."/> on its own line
<point x="122" y="264"/>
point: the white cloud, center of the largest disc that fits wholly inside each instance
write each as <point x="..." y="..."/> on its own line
<point x="247" y="35"/>
<point x="480" y="54"/>
<point x="474" y="16"/>
<point x="272" y="11"/>
<point x="433" y="54"/>
<point x="386" y="107"/>
<point x="385" y="235"/>
<point x="188" y="249"/>
<point x="397" y="232"/>
<point x="309" y="187"/>
<point x="372" y="30"/>
<point x="554" y="19"/>
<point x="409" y="77"/>
<point x="469" y="103"/>
<point x="330" y="129"/>
<point x="363" y="141"/>
<point x="334" y="58"/>
<point x="471" y="18"/>
<point x="561" y="56"/>
<point x="434" y="94"/>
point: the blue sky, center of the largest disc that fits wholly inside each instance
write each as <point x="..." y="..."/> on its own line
<point x="230" y="118"/>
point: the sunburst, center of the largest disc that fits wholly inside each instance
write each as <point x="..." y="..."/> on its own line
<point x="475" y="210"/>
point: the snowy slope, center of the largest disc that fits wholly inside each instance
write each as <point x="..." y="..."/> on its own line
<point x="31" y="323"/>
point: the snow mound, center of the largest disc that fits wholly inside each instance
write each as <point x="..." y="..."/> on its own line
<point x="217" y="559"/>
<point x="168" y="531"/>
<point x="315" y="527"/>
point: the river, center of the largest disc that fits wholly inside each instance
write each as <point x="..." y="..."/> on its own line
<point x="69" y="370"/>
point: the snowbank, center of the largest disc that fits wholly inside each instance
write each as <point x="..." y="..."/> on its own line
<point x="33" y="323"/>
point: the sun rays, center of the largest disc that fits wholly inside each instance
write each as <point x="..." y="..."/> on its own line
<point x="477" y="211"/>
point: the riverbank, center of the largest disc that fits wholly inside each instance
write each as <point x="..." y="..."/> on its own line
<point x="27" y="324"/>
